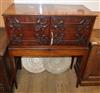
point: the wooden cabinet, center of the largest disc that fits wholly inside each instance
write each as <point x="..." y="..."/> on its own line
<point x="91" y="72"/>
<point x="49" y="31"/>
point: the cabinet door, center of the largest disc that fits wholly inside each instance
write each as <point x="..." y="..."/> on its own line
<point x="92" y="71"/>
<point x="71" y="30"/>
<point x="28" y="30"/>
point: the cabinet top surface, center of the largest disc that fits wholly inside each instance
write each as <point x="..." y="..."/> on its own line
<point x="47" y="9"/>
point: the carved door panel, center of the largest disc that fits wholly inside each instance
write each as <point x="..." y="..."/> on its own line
<point x="42" y="30"/>
<point x="71" y="30"/>
<point x="28" y="30"/>
<point x="57" y="30"/>
<point x="14" y="29"/>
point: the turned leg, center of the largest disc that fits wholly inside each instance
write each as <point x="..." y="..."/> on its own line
<point x="18" y="62"/>
<point x="72" y="61"/>
<point x="14" y="70"/>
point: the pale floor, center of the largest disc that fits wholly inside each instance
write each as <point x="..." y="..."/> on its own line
<point x="46" y="82"/>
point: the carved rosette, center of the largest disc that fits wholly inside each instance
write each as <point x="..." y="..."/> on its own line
<point x="17" y="35"/>
<point x="58" y="32"/>
<point x="40" y="28"/>
<point x="42" y="39"/>
<point x="58" y="38"/>
<point x="83" y="31"/>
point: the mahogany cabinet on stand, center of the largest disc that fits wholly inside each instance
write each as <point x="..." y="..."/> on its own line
<point x="49" y="31"/>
